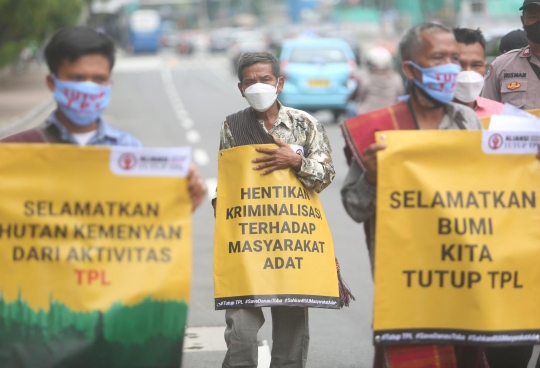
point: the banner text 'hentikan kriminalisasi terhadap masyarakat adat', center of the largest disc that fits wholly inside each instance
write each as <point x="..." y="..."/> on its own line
<point x="272" y="244"/>
<point x="457" y="239"/>
<point x="95" y="247"/>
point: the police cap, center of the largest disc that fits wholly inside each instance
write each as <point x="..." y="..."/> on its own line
<point x="514" y="40"/>
<point x="529" y="2"/>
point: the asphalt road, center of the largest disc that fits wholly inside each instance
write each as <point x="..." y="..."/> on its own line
<point x="169" y="100"/>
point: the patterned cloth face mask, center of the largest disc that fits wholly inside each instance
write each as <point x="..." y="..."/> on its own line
<point x="438" y="82"/>
<point x="81" y="102"/>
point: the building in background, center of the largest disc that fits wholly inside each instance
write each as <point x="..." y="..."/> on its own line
<point x="297" y="8"/>
<point x="491" y="14"/>
<point x="496" y="18"/>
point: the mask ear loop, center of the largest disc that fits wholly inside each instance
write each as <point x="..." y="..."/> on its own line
<point x="413" y="66"/>
<point x="277" y="85"/>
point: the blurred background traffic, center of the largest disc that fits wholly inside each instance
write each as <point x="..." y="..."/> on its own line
<point x="322" y="44"/>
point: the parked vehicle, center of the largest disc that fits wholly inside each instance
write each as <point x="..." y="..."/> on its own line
<point x="144" y="31"/>
<point x="319" y="74"/>
<point x="185" y="45"/>
<point x="169" y="34"/>
<point x="351" y="38"/>
<point x="219" y="40"/>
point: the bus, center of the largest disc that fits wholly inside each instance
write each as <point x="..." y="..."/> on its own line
<point x="144" y="28"/>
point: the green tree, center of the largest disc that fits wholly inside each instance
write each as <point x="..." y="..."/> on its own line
<point x="24" y="21"/>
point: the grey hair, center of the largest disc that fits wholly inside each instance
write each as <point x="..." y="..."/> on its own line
<point x="413" y="38"/>
<point x="250" y="58"/>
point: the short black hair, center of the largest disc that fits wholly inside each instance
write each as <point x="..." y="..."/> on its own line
<point x="250" y="58"/>
<point x="412" y="39"/>
<point x="73" y="42"/>
<point x="470" y="36"/>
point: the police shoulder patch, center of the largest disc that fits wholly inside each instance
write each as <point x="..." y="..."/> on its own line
<point x="490" y="70"/>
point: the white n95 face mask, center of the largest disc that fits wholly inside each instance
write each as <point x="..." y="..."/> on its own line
<point x="469" y="85"/>
<point x="261" y="96"/>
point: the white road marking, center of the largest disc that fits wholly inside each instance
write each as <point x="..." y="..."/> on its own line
<point x="200" y="157"/>
<point x="187" y="123"/>
<point x="211" y="184"/>
<point x="180" y="110"/>
<point x="181" y="113"/>
<point x="181" y="116"/>
<point x="193" y="136"/>
<point x="211" y="339"/>
<point x="534" y="357"/>
<point x="204" y="339"/>
<point x="264" y="355"/>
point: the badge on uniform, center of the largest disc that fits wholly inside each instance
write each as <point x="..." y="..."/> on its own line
<point x="513" y="86"/>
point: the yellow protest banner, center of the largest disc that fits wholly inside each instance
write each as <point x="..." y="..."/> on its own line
<point x="457" y="238"/>
<point x="95" y="255"/>
<point x="272" y="244"/>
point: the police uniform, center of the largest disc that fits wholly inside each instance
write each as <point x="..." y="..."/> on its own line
<point x="512" y="79"/>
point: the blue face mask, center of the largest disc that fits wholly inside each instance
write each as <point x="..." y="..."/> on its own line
<point x="81" y="102"/>
<point x="438" y="82"/>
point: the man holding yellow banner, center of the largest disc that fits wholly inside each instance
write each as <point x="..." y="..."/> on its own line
<point x="287" y="261"/>
<point x="431" y="63"/>
<point x="95" y="243"/>
<point x="80" y="62"/>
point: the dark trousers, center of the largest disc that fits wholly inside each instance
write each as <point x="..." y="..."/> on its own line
<point x="290" y="337"/>
<point x="509" y="356"/>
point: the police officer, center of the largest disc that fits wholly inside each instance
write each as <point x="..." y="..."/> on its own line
<point x="515" y="76"/>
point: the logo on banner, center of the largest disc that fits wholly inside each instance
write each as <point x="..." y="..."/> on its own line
<point x="516" y="143"/>
<point x="299" y="150"/>
<point x="178" y="162"/>
<point x="150" y="161"/>
<point x="127" y="161"/>
<point x="496" y="141"/>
